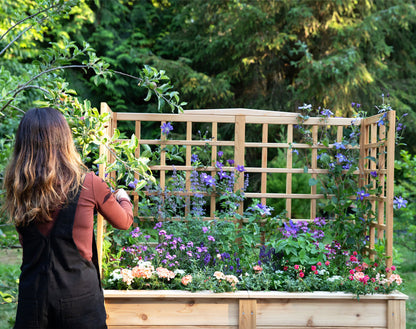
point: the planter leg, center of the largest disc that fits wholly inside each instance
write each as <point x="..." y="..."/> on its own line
<point x="247" y="317"/>
<point x="396" y="314"/>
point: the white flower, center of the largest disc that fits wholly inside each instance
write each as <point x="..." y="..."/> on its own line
<point x="335" y="278"/>
<point x="115" y="275"/>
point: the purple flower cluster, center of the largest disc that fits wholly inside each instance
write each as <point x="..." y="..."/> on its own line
<point x="332" y="250"/>
<point x="171" y="251"/>
<point x="294" y="229"/>
<point x="362" y="194"/>
<point x="399" y="202"/>
<point x="166" y="128"/>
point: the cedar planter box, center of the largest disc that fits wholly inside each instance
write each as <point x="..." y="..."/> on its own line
<point x="249" y="309"/>
<point x="164" y="309"/>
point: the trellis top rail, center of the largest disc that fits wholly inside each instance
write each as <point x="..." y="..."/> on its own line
<point x="228" y="116"/>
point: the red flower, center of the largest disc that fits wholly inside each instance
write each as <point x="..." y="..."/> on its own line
<point x="285" y="268"/>
<point x="301" y="274"/>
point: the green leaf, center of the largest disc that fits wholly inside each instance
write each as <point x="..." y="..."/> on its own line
<point x="313" y="181"/>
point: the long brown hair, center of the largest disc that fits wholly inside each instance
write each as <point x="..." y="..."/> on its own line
<point x="45" y="169"/>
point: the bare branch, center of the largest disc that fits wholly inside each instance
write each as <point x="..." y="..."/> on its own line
<point x="17" y="109"/>
<point x="25" y="86"/>
<point x="17" y="37"/>
<point x="128" y="75"/>
<point x="25" y="19"/>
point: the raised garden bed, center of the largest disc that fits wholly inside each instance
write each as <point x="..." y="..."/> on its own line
<point x="267" y="309"/>
<point x="247" y="309"/>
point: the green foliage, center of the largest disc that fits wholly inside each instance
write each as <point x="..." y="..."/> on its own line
<point x="277" y="183"/>
<point x="404" y="221"/>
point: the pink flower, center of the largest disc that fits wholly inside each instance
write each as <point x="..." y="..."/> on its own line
<point x="319" y="264"/>
<point x="301" y="274"/>
<point x="351" y="272"/>
<point x="127" y="276"/>
<point x="257" y="268"/>
<point x="296" y="267"/>
<point x="164" y="273"/>
<point x="219" y="275"/>
<point x="354" y="253"/>
<point x="313" y="268"/>
<point x="327" y="263"/>
<point x="393" y="268"/>
<point x="186" y="279"/>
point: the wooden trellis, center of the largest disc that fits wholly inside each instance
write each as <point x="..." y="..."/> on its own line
<point x="376" y="148"/>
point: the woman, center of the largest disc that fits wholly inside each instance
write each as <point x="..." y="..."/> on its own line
<point x="52" y="202"/>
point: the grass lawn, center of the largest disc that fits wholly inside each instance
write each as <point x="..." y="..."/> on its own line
<point x="10" y="263"/>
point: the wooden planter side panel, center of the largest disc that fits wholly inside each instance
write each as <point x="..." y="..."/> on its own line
<point x="268" y="311"/>
<point x="171" y="313"/>
<point x="321" y="313"/>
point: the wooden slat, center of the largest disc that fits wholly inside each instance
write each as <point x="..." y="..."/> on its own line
<point x="263" y="186"/>
<point x="381" y="179"/>
<point x="321" y="313"/>
<point x="175" y="327"/>
<point x="241" y="111"/>
<point x="241" y="294"/>
<point x="188" y="163"/>
<point x="396" y="314"/>
<point x="391" y="118"/>
<point x="137" y="132"/>
<point x="239" y="152"/>
<point x="124" y="116"/>
<point x="101" y="173"/>
<point x="315" y="327"/>
<point x="373" y="166"/>
<point x="314" y="166"/>
<point x="172" y="312"/>
<point x="213" y="161"/>
<point x="247" y="314"/>
<point x="289" y="160"/>
<point x="232" y="143"/>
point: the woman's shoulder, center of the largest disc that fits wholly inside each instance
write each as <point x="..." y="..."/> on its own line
<point x="91" y="180"/>
<point x="94" y="181"/>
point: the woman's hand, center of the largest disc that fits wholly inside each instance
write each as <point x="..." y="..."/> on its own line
<point x="120" y="194"/>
